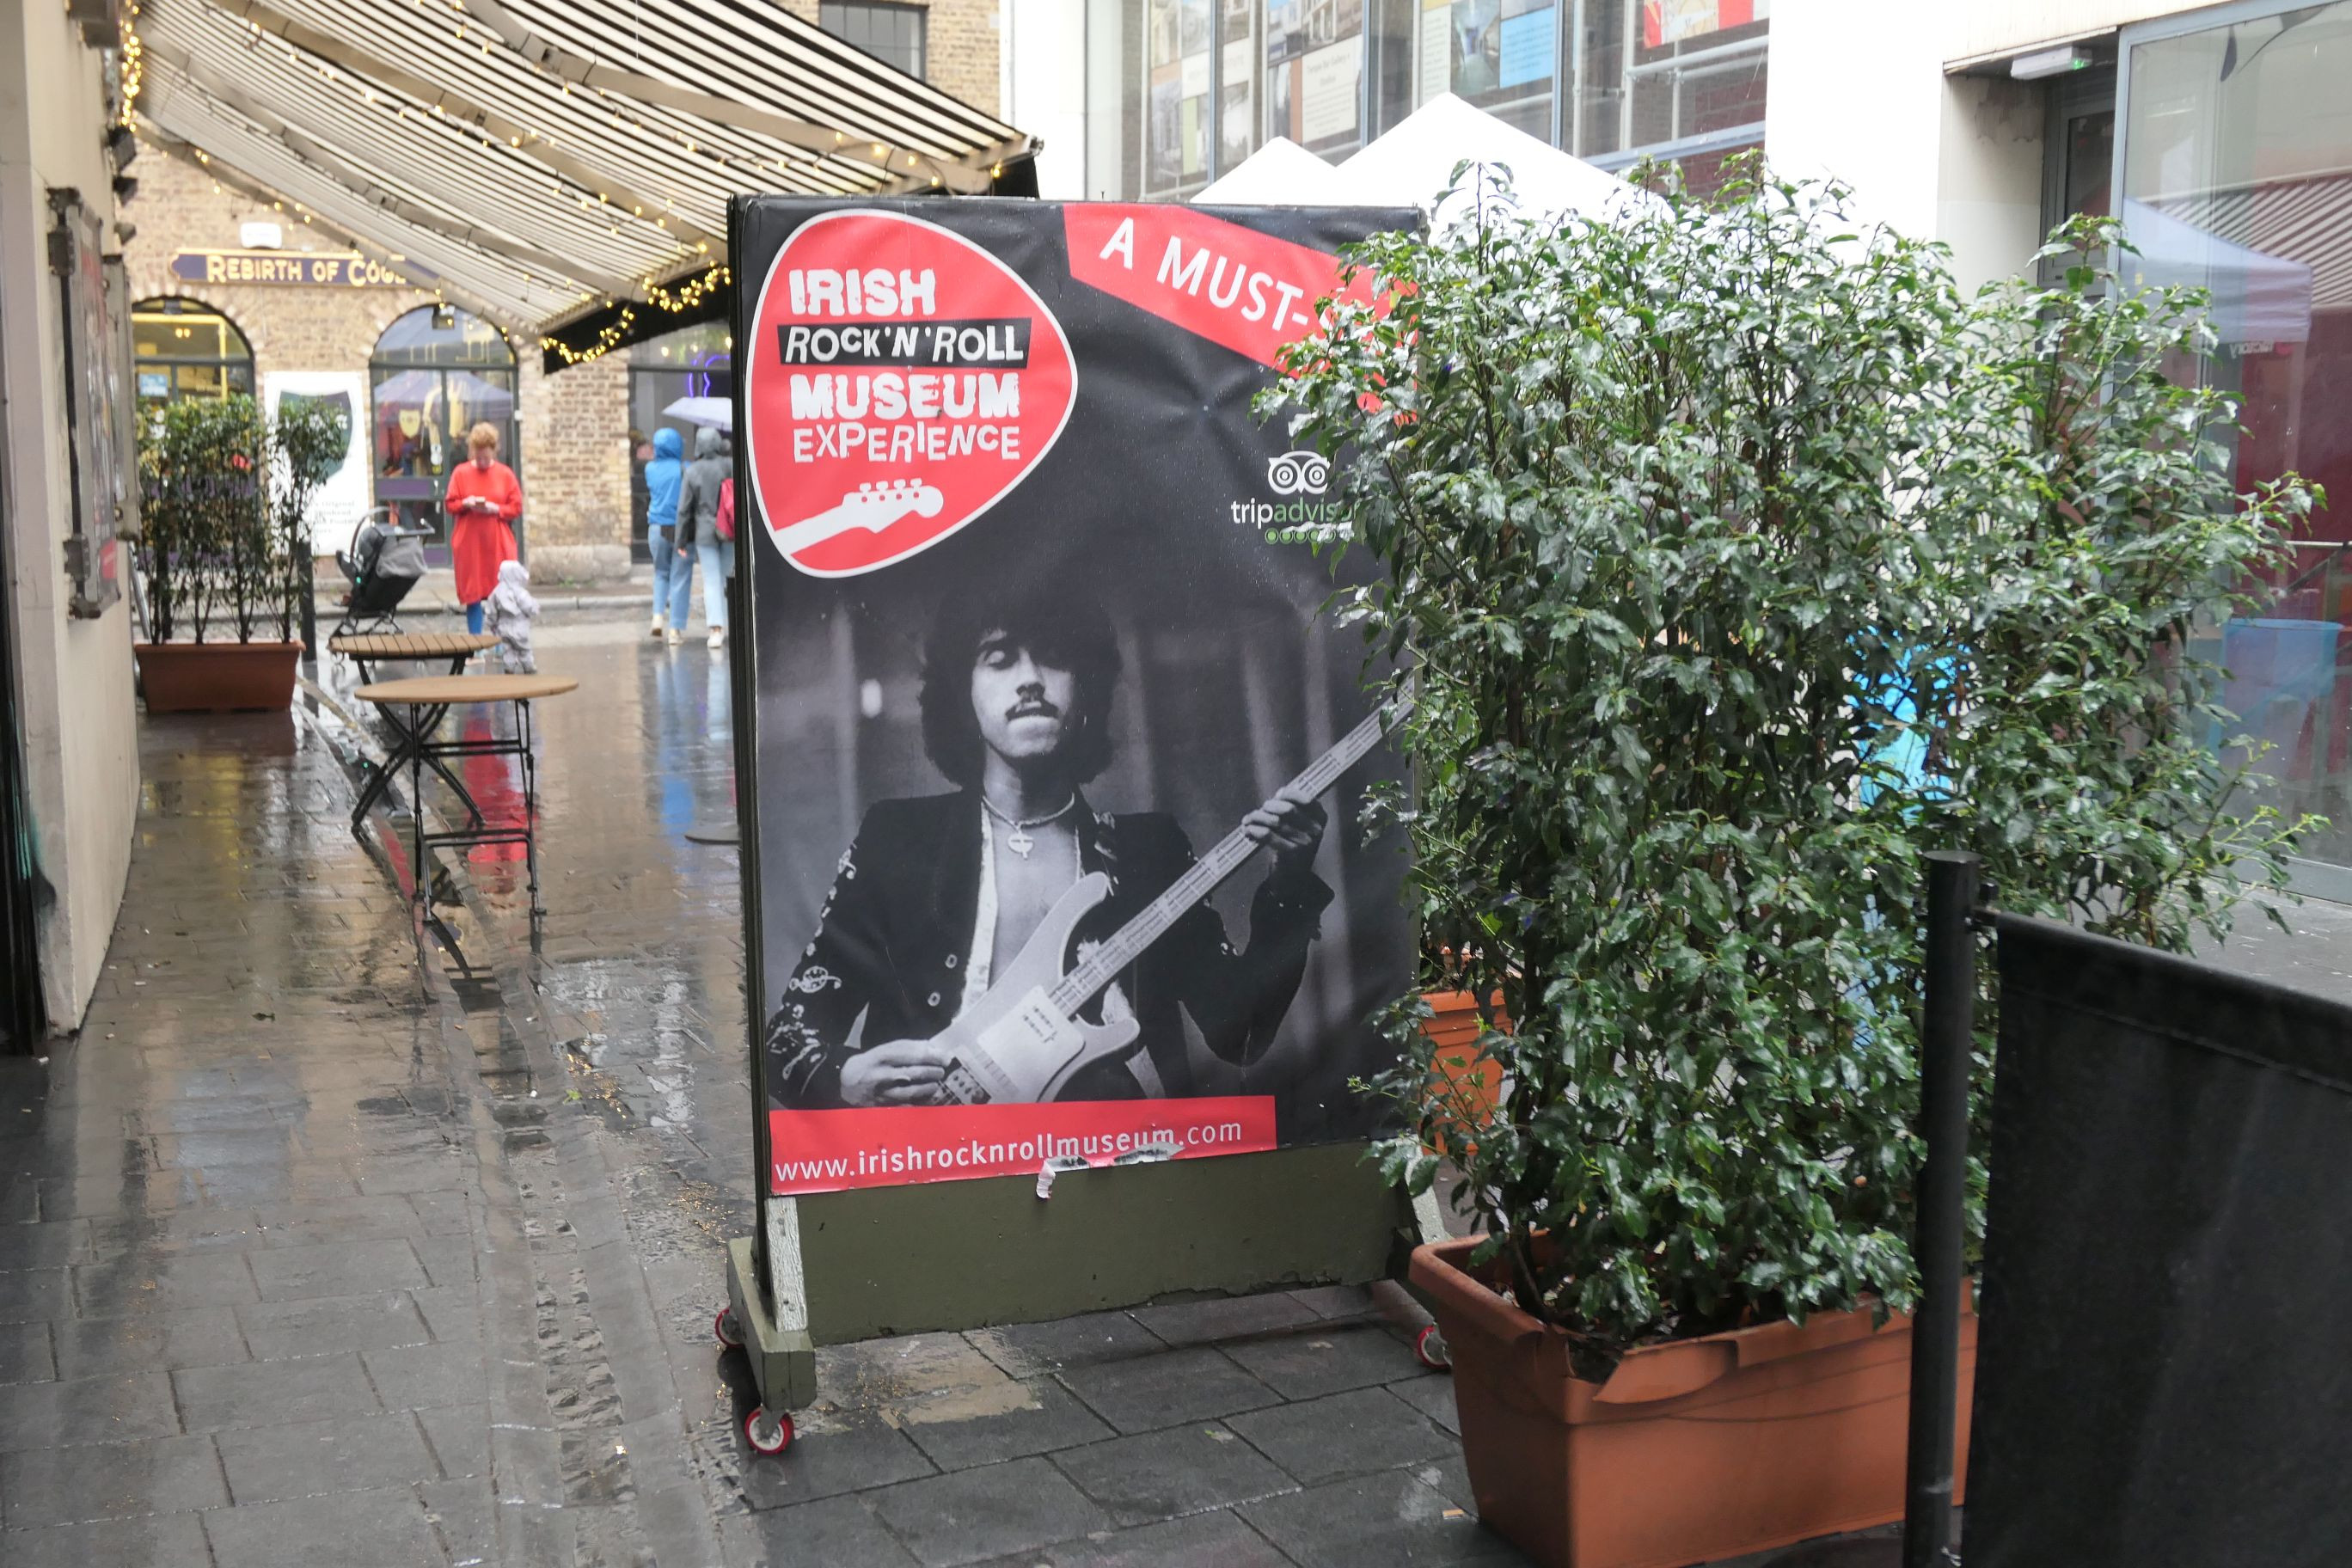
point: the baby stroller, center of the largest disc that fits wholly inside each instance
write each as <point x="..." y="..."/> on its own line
<point x="383" y="564"/>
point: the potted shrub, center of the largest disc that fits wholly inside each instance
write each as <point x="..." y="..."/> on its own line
<point x="224" y="555"/>
<point x="1740" y="559"/>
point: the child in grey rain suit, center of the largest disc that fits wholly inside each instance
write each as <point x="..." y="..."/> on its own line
<point x="511" y="611"/>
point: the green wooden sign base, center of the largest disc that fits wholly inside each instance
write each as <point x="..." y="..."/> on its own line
<point x="968" y="1255"/>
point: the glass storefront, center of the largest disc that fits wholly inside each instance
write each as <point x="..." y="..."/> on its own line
<point x="183" y="349"/>
<point x="2235" y="172"/>
<point x="693" y="362"/>
<point x="436" y="374"/>
<point x="1207" y="82"/>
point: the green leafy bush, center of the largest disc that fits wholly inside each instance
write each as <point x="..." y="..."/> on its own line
<point x="224" y="502"/>
<point x="1740" y="559"/>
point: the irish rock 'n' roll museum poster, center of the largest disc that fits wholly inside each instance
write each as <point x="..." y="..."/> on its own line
<point x="1058" y="769"/>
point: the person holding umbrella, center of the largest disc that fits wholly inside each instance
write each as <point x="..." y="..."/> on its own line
<point x="707" y="527"/>
<point x="483" y="501"/>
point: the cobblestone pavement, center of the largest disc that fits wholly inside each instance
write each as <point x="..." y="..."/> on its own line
<point x="316" y="1252"/>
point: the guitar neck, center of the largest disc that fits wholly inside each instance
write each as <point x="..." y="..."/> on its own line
<point x="1128" y="942"/>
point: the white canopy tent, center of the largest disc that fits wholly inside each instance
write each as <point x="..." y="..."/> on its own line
<point x="1415" y="161"/>
<point x="1280" y="174"/>
<point x="2258" y="298"/>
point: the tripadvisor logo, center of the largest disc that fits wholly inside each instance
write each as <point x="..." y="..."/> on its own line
<point x="1299" y="479"/>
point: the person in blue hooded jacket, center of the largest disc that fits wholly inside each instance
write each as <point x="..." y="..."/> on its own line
<point x="663" y="477"/>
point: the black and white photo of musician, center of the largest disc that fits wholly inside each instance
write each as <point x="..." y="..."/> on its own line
<point x="938" y="893"/>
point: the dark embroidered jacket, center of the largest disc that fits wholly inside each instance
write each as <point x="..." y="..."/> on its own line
<point x="894" y="935"/>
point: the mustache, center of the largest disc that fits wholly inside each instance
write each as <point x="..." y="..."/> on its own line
<point x="1032" y="708"/>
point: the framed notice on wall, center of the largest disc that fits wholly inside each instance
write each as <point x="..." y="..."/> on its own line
<point x="99" y="433"/>
<point x="1052" y="832"/>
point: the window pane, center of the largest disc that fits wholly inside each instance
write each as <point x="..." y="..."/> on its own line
<point x="459" y="337"/>
<point x="1314" y="72"/>
<point x="1498" y="54"/>
<point x="2238" y="180"/>
<point x="891" y="34"/>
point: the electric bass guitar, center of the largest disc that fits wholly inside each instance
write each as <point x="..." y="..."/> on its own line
<point x="870" y="506"/>
<point x="1024" y="1040"/>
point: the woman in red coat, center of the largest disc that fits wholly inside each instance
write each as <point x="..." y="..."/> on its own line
<point x="483" y="503"/>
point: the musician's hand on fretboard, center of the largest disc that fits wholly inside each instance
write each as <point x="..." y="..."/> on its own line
<point x="1289" y="825"/>
<point x="902" y="1072"/>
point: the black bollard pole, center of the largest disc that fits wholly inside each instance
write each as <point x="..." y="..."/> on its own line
<point x="1945" y="1045"/>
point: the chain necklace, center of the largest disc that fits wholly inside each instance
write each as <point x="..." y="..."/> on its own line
<point x="1016" y="837"/>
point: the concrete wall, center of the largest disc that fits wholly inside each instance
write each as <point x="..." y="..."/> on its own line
<point x="1978" y="27"/>
<point x="1045" y="89"/>
<point x="1860" y="93"/>
<point x="74" y="677"/>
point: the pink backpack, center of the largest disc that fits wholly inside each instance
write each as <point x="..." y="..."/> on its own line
<point x="724" y="522"/>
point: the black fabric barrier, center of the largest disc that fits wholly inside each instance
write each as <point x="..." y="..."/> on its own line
<point x="2165" y="1372"/>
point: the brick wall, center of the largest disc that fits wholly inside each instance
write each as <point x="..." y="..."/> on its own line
<point x="575" y="452"/>
<point x="960" y="45"/>
<point x="572" y="428"/>
<point x="179" y="207"/>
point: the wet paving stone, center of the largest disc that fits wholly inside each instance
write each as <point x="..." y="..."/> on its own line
<point x="1215" y="1540"/>
<point x="69" y="1412"/>
<point x="147" y="1341"/>
<point x="384" y="1528"/>
<point x="337" y="1268"/>
<point x="155" y="1541"/>
<point x="1162" y="1475"/>
<point x="1050" y="1420"/>
<point x="25" y="1353"/>
<point x="420" y="1377"/>
<point x="969" y="1516"/>
<point x="1323" y="1359"/>
<point x="69" y="1486"/>
<point x="1195" y="1384"/>
<point x="841" y="1532"/>
<point x="324" y="1325"/>
<point x="305" y="1458"/>
<point x="271" y="1392"/>
<point x="1388" y="1521"/>
<point x="1345" y="1434"/>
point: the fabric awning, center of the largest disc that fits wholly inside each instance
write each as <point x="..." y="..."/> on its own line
<point x="553" y="163"/>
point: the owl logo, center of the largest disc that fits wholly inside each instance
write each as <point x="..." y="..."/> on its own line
<point x="1298" y="473"/>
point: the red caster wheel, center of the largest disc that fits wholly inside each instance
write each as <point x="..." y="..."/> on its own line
<point x="724" y="1326"/>
<point x="1429" y="1346"/>
<point x="767" y="1434"/>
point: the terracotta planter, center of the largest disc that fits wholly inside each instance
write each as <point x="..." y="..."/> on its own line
<point x="216" y="677"/>
<point x="1453" y="1024"/>
<point x="1690" y="1452"/>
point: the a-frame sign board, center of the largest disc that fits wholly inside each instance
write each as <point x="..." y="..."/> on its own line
<point x="1028" y="638"/>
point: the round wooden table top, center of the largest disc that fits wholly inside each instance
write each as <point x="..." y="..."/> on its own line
<point x="410" y="644"/>
<point x="441" y="691"/>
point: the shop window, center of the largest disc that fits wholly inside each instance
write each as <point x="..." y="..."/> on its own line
<point x="891" y="34"/>
<point x="2236" y="178"/>
<point x="436" y="374"/>
<point x="1500" y="55"/>
<point x="183" y="349"/>
<point x="1315" y="73"/>
<point x="1205" y="82"/>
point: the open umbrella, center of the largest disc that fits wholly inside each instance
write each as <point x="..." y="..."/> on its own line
<point x="719" y="413"/>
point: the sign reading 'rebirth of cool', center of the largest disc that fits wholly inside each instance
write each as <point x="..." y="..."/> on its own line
<point x="331" y="269"/>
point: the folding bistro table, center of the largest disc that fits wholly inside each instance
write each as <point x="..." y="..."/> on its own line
<point x="428" y="700"/>
<point x="370" y="648"/>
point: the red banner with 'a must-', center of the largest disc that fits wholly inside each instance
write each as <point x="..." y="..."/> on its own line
<point x="1249" y="291"/>
<point x="826" y="1151"/>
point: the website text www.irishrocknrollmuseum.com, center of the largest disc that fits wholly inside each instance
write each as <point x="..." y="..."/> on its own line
<point x="821" y="1151"/>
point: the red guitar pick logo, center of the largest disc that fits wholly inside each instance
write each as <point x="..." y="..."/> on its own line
<point x="900" y="381"/>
